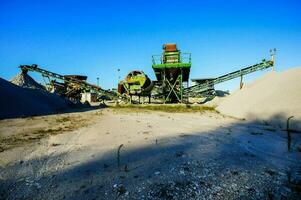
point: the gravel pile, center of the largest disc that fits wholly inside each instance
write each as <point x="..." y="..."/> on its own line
<point x="24" y="80"/>
<point x="272" y="98"/>
<point x="17" y="101"/>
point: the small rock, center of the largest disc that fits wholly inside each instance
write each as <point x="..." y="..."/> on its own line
<point x="38" y="186"/>
<point x="121" y="190"/>
<point x="157" y="173"/>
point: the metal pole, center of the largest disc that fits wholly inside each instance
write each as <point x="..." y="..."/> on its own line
<point x="164" y="89"/>
<point x="181" y="86"/>
<point x="241" y="82"/>
<point x="118" y="72"/>
<point x="273" y="53"/>
<point x="97" y="81"/>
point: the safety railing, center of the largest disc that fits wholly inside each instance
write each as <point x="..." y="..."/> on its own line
<point x="184" y="58"/>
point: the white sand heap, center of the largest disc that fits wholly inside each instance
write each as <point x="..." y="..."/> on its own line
<point x="17" y="101"/>
<point x="273" y="98"/>
<point x="24" y="80"/>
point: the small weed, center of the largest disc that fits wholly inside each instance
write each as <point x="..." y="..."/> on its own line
<point x="185" y="135"/>
<point x="121" y="190"/>
<point x="265" y="123"/>
<point x="249" y="154"/>
<point x="234" y="172"/>
<point x="270" y="172"/>
<point x="270" y="195"/>
<point x="126" y="169"/>
<point x="270" y="129"/>
<point x="289" y="137"/>
<point x="63" y="119"/>
<point x="48" y="131"/>
<point x="99" y="113"/>
<point x="256" y="133"/>
<point x="118" y="155"/>
<point x="179" y="154"/>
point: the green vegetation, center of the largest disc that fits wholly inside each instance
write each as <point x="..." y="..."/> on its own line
<point x="30" y="134"/>
<point x="63" y="119"/>
<point x="16" y="140"/>
<point x="165" y="108"/>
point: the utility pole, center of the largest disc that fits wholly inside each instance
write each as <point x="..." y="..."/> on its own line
<point x="97" y="81"/>
<point x="118" y="71"/>
<point x="273" y="53"/>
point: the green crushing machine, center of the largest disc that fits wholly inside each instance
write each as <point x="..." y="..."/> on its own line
<point x="172" y="70"/>
<point x="136" y="83"/>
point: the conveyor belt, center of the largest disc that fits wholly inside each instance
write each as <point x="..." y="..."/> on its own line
<point x="201" y="88"/>
<point x="84" y="85"/>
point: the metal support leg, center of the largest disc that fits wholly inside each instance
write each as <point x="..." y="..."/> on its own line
<point x="241" y="82"/>
<point x="172" y="88"/>
<point x="164" y="82"/>
<point x="181" y="86"/>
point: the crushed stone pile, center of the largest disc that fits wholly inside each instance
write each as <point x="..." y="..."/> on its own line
<point x="24" y="80"/>
<point x="16" y="101"/>
<point x="272" y="98"/>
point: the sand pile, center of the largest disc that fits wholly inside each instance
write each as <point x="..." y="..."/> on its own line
<point x="273" y="98"/>
<point x="24" y="80"/>
<point x="16" y="101"/>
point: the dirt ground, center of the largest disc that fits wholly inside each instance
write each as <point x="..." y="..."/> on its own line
<point x="139" y="154"/>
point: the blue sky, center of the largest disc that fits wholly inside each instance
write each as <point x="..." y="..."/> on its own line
<point x="95" y="38"/>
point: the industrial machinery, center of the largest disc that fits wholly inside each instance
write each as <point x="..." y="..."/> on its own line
<point x="71" y="86"/>
<point x="198" y="81"/>
<point x="172" y="70"/>
<point x="68" y="89"/>
<point x="208" y="85"/>
<point x="136" y="83"/>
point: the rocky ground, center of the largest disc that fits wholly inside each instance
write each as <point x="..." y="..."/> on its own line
<point x="128" y="154"/>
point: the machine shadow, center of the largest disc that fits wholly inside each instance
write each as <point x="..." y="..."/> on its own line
<point x="223" y="158"/>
